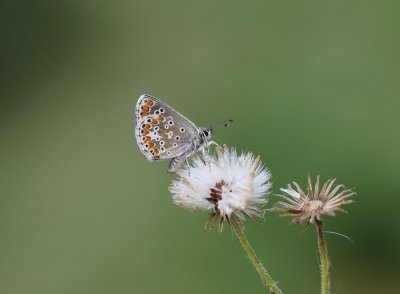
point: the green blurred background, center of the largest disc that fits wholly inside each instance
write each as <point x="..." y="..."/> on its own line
<point x="313" y="87"/>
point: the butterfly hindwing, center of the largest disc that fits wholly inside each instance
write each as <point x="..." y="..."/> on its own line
<point x="162" y="132"/>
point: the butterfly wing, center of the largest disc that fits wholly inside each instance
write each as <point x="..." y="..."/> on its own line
<point x="162" y="132"/>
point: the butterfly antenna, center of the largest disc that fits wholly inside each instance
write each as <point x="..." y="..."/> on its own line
<point x="224" y="123"/>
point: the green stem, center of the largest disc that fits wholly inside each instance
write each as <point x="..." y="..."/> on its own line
<point x="265" y="277"/>
<point x="324" y="259"/>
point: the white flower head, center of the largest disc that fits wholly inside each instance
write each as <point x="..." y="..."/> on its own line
<point x="312" y="204"/>
<point x="228" y="185"/>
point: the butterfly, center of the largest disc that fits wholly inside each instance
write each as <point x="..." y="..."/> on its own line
<point x="163" y="133"/>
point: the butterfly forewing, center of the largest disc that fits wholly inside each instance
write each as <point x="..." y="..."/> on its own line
<point x="162" y="132"/>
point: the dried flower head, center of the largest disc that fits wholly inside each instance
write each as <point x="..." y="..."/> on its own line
<point x="229" y="186"/>
<point x="313" y="204"/>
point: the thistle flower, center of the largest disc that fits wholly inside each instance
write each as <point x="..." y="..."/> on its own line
<point x="312" y="205"/>
<point x="228" y="185"/>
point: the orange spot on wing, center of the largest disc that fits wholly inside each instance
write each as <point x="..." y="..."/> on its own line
<point x="156" y="153"/>
<point x="147" y="126"/>
<point x="160" y="118"/>
<point x="154" y="121"/>
<point x="146" y="108"/>
<point x="145" y="131"/>
<point x="150" y="146"/>
<point x="146" y="139"/>
<point x="144" y="113"/>
<point x="150" y="102"/>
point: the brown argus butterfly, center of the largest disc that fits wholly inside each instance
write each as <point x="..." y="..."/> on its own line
<point x="163" y="133"/>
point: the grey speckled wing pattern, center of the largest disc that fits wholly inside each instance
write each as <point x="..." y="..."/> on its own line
<point x="163" y="133"/>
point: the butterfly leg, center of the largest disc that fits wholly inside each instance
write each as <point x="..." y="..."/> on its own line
<point x="212" y="143"/>
<point x="187" y="163"/>
<point x="209" y="144"/>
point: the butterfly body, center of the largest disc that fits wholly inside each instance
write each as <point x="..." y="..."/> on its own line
<point x="163" y="133"/>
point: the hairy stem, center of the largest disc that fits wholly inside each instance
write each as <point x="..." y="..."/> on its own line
<point x="265" y="277"/>
<point x="324" y="259"/>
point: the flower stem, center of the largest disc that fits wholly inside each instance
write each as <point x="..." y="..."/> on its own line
<point x="265" y="277"/>
<point x="324" y="259"/>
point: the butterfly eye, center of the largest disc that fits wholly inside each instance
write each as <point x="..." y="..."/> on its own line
<point x="205" y="133"/>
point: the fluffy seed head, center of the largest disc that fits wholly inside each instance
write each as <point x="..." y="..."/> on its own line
<point x="314" y="203"/>
<point x="228" y="185"/>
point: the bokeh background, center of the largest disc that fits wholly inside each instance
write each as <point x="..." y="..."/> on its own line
<point x="313" y="87"/>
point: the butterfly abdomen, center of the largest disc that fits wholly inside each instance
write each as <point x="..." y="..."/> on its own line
<point x="176" y="163"/>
